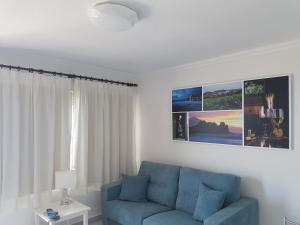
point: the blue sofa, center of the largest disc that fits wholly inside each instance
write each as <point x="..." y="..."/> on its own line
<point x="172" y="195"/>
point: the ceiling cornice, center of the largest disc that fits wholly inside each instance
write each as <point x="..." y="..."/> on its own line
<point x="264" y="50"/>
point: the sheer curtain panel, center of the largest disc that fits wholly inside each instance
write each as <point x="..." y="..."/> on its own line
<point x="50" y="123"/>
<point x="104" y="145"/>
<point x="35" y="136"/>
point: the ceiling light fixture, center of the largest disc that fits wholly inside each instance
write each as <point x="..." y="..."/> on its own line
<point x="113" y="16"/>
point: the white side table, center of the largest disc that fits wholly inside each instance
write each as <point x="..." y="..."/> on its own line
<point x="287" y="222"/>
<point x="66" y="212"/>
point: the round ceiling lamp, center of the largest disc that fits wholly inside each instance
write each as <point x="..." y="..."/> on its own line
<point x="113" y="16"/>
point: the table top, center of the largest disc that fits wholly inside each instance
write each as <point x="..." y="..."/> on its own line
<point x="65" y="211"/>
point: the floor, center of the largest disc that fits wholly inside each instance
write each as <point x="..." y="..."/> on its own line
<point x="96" y="223"/>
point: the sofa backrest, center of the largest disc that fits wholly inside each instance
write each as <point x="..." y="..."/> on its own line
<point x="163" y="184"/>
<point x="190" y="179"/>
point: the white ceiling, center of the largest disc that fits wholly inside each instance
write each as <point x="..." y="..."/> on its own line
<point x="170" y="32"/>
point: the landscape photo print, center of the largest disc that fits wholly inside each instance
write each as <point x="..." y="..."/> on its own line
<point x="187" y="99"/>
<point x="220" y="127"/>
<point x="227" y="96"/>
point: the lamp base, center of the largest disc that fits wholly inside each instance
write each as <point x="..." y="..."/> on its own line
<point x="66" y="200"/>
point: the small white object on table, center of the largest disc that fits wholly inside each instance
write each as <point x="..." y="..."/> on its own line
<point x="66" y="212"/>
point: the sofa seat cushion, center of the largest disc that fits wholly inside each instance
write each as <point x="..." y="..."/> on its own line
<point x="173" y="217"/>
<point x="132" y="213"/>
<point x="163" y="183"/>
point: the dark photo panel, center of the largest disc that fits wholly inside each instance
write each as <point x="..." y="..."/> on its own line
<point x="180" y="126"/>
<point x="266" y="113"/>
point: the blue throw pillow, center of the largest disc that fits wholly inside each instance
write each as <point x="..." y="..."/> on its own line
<point x="209" y="202"/>
<point x="134" y="188"/>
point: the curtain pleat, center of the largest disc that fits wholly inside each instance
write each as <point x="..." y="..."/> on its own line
<point x="35" y="135"/>
<point x="103" y="151"/>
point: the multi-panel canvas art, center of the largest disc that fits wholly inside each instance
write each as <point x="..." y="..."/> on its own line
<point x="245" y="113"/>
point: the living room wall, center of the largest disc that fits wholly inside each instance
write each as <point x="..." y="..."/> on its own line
<point x="271" y="176"/>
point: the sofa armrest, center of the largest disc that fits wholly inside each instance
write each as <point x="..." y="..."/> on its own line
<point x="111" y="191"/>
<point x="242" y="212"/>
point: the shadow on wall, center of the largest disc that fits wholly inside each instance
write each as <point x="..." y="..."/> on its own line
<point x="92" y="199"/>
<point x="267" y="205"/>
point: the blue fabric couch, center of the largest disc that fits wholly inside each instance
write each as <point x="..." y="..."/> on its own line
<point x="172" y="195"/>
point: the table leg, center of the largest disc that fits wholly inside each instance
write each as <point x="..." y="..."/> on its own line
<point x="36" y="218"/>
<point x="85" y="218"/>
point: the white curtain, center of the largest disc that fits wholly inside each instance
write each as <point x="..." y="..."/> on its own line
<point x="35" y="135"/>
<point x="48" y="122"/>
<point x="104" y="145"/>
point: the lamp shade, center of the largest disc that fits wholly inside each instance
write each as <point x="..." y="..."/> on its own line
<point x="65" y="179"/>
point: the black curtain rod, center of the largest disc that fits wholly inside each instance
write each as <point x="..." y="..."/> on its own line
<point x="72" y="76"/>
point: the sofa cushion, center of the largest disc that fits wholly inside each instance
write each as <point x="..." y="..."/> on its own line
<point x="134" y="188"/>
<point x="163" y="183"/>
<point x="132" y="213"/>
<point x="173" y="217"/>
<point x="209" y="202"/>
<point x="190" y="180"/>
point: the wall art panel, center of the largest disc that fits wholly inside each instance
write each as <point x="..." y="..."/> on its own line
<point x="253" y="113"/>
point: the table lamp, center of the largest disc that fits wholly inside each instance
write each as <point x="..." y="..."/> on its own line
<point x="65" y="180"/>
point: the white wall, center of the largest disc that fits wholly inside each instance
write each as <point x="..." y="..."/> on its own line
<point x="40" y="61"/>
<point x="272" y="176"/>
